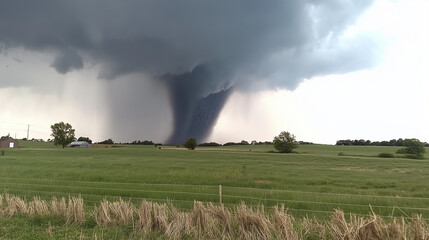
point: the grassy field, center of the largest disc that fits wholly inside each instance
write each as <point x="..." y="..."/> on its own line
<point x="311" y="182"/>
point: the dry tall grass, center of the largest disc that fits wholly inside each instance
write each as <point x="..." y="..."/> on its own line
<point x="224" y="219"/>
<point x="160" y="216"/>
<point x="58" y="207"/>
<point x="38" y="207"/>
<point x="14" y="205"/>
<point x="311" y="227"/>
<point x="101" y="213"/>
<point x="144" y="212"/>
<point x="419" y="228"/>
<point x="213" y="221"/>
<point x="122" y="212"/>
<point x="75" y="212"/>
<point x="358" y="227"/>
<point x="118" y="213"/>
<point x="252" y="224"/>
<point x="283" y="223"/>
<point x="180" y="225"/>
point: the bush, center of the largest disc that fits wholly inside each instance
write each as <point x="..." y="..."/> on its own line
<point x="413" y="156"/>
<point x="413" y="148"/>
<point x="386" y="155"/>
<point x="190" y="144"/>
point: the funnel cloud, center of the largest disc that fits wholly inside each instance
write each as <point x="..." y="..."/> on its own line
<point x="201" y="51"/>
<point x="195" y="104"/>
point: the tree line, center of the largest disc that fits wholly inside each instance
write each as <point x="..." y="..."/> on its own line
<point x="362" y="142"/>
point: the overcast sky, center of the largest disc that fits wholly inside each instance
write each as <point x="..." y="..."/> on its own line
<point x="323" y="71"/>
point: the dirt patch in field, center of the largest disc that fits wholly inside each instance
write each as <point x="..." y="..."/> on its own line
<point x="260" y="181"/>
<point x="400" y="170"/>
<point x="355" y="169"/>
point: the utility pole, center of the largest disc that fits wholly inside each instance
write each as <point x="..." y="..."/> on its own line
<point x="28" y="132"/>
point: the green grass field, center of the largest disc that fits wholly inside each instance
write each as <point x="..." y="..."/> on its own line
<point x="311" y="182"/>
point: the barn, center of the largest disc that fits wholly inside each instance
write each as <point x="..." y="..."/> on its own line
<point x="79" y="144"/>
<point x="8" y="142"/>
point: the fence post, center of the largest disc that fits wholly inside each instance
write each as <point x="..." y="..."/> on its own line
<point x="220" y="194"/>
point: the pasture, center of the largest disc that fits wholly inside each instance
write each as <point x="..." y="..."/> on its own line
<point x="313" y="182"/>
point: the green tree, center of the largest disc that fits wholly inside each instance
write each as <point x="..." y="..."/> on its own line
<point x="190" y="144"/>
<point x="63" y="133"/>
<point x="285" y="142"/>
<point x="413" y="147"/>
<point x="85" y="139"/>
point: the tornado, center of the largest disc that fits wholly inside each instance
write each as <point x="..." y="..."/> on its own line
<point x="194" y="105"/>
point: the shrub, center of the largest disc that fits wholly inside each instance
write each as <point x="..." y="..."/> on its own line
<point x="386" y="155"/>
<point x="413" y="148"/>
<point x="413" y="156"/>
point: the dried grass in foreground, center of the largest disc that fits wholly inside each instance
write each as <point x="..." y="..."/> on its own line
<point x="214" y="221"/>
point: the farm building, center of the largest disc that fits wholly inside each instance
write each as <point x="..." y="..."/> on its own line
<point x="79" y="144"/>
<point x="8" y="142"/>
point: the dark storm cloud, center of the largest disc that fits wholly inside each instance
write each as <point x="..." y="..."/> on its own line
<point x="237" y="42"/>
<point x="171" y="36"/>
<point x="66" y="61"/>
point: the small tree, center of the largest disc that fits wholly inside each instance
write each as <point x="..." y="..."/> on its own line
<point x="190" y="144"/>
<point x="85" y="139"/>
<point x="285" y="142"/>
<point x="63" y="133"/>
<point x="413" y="147"/>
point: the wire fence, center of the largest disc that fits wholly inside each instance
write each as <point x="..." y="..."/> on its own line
<point x="300" y="203"/>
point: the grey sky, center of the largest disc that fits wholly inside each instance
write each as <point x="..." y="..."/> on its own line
<point x="245" y="44"/>
<point x="158" y="37"/>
